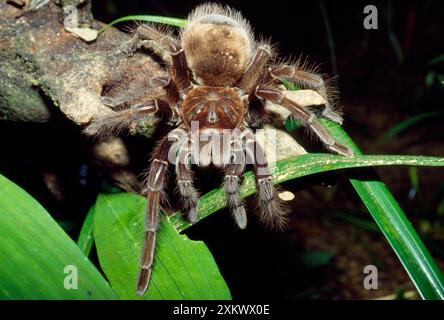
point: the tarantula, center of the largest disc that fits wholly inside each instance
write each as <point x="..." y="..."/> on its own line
<point x="219" y="79"/>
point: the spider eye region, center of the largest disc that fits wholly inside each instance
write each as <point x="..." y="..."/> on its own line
<point x="213" y="107"/>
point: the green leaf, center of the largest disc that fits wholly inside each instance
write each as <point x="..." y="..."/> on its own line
<point x="35" y="251"/>
<point x="183" y="269"/>
<point x="157" y="19"/>
<point x="86" y="236"/>
<point x="300" y="166"/>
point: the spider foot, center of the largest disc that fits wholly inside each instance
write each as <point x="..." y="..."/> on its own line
<point x="332" y="115"/>
<point x="192" y="215"/>
<point x="340" y="149"/>
<point x="240" y="216"/>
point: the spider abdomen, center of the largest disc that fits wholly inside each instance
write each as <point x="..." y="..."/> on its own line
<point x="218" y="44"/>
<point x="212" y="107"/>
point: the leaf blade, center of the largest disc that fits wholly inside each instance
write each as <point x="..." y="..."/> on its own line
<point x="177" y="22"/>
<point x="35" y="252"/>
<point x="300" y="166"/>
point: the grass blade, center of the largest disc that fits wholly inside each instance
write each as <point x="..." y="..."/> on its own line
<point x="300" y="166"/>
<point x="35" y="251"/>
<point x="147" y="18"/>
<point x="183" y="269"/>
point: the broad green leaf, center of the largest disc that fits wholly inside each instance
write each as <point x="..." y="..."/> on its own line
<point x="34" y="252"/>
<point x="86" y="236"/>
<point x="183" y="269"/>
<point x="300" y="166"/>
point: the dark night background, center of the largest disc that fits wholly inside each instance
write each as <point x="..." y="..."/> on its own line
<point x="384" y="76"/>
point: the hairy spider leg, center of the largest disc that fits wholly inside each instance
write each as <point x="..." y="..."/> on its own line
<point x="232" y="182"/>
<point x="184" y="176"/>
<point x="307" y="117"/>
<point x="307" y="80"/>
<point x="271" y="211"/>
<point x="167" y="48"/>
<point x="155" y="183"/>
<point x="150" y="38"/>
<point x="179" y="69"/>
<point x="255" y="68"/>
<point x="115" y="121"/>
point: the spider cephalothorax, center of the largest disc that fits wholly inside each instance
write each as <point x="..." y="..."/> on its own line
<point x="213" y="107"/>
<point x="217" y="74"/>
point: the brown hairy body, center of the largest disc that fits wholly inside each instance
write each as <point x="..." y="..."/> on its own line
<point x="220" y="81"/>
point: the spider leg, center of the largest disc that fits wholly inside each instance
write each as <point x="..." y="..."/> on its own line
<point x="165" y="46"/>
<point x="307" y="80"/>
<point x="255" y="68"/>
<point x="306" y="116"/>
<point x="155" y="182"/>
<point x="116" y="121"/>
<point x="171" y="91"/>
<point x="179" y="69"/>
<point x="184" y="177"/>
<point x="232" y="183"/>
<point x="149" y="37"/>
<point x="272" y="212"/>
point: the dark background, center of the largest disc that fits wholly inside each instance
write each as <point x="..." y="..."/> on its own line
<point x="384" y="76"/>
